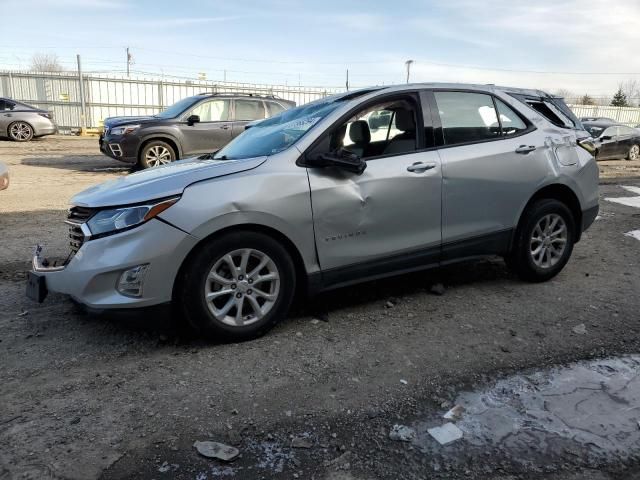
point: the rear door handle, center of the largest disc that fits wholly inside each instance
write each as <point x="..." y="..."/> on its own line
<point x="420" y="167"/>
<point x="225" y="127"/>
<point x="525" y="149"/>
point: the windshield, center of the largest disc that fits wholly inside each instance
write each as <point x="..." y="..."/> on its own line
<point x="177" y="108"/>
<point x="278" y="133"/>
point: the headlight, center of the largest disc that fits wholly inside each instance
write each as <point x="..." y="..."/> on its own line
<point x="114" y="220"/>
<point x="124" y="129"/>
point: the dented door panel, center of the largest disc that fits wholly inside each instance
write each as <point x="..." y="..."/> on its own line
<point x="385" y="211"/>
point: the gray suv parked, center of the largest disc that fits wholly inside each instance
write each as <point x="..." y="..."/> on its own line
<point x="349" y="188"/>
<point x="193" y="126"/>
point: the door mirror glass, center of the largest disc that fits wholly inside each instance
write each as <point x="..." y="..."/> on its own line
<point x="341" y="158"/>
<point x="193" y="119"/>
<point x="606" y="137"/>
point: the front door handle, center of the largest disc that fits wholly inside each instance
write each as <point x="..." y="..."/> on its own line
<point x="524" y="149"/>
<point x="224" y="127"/>
<point x="420" y="167"/>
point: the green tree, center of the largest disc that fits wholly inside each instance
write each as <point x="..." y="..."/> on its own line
<point x="619" y="99"/>
<point x="587" y="100"/>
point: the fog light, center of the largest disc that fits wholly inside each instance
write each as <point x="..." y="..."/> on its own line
<point x="130" y="282"/>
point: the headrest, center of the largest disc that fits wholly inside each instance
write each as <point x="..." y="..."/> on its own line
<point x="359" y="132"/>
<point x="405" y="121"/>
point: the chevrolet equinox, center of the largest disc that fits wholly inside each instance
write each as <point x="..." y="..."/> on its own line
<point x="348" y="188"/>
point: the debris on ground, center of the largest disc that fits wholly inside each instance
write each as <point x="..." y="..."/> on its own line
<point x="389" y="304"/>
<point x="217" y="450"/>
<point x="403" y="381"/>
<point x="455" y="413"/>
<point x="323" y="317"/>
<point x="580" y="329"/>
<point x="437" y="289"/>
<point x="446" y="434"/>
<point x="24" y="313"/>
<point x="315" y="321"/>
<point x="301" y="442"/>
<point x="402" y="433"/>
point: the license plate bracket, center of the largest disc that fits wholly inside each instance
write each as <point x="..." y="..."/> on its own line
<point x="36" y="287"/>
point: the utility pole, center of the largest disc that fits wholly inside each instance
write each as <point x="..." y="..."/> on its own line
<point x="128" y="61"/>
<point x="408" y="64"/>
<point x="83" y="106"/>
<point x="347" y="84"/>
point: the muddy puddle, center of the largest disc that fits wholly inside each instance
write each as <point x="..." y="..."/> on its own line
<point x="583" y="414"/>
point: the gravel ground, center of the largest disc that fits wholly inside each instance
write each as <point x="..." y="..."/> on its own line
<point x="120" y="396"/>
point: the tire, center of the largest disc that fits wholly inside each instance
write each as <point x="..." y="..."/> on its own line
<point x="528" y="258"/>
<point x="214" y="319"/>
<point x="20" y="131"/>
<point x="156" y="153"/>
<point x="633" y="153"/>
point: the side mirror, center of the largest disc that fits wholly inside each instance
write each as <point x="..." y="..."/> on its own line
<point x="193" y="119"/>
<point x="606" y="137"/>
<point x="341" y="158"/>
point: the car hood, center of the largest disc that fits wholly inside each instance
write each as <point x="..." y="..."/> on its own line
<point x="116" y="121"/>
<point x="160" y="182"/>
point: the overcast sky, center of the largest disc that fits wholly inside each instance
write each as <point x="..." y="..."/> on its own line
<point x="583" y="45"/>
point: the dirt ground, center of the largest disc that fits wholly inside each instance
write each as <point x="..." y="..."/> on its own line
<point x="120" y="396"/>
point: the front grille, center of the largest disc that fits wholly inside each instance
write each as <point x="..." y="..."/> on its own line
<point x="76" y="217"/>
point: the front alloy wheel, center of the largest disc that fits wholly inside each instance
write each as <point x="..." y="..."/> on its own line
<point x="236" y="286"/>
<point x="242" y="287"/>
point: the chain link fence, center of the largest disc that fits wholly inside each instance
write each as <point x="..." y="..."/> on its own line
<point x="110" y="96"/>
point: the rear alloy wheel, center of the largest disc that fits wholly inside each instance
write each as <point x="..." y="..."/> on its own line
<point x="634" y="153"/>
<point x="20" y="131"/>
<point x="156" y="153"/>
<point x="544" y="241"/>
<point x="237" y="286"/>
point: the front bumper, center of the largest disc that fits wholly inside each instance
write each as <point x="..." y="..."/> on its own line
<point x="91" y="275"/>
<point x="120" y="148"/>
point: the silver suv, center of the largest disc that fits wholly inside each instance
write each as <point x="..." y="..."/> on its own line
<point x="349" y="188"/>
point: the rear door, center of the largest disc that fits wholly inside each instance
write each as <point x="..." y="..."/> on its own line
<point x="246" y="110"/>
<point x="212" y="132"/>
<point x="489" y="166"/>
<point x="626" y="138"/>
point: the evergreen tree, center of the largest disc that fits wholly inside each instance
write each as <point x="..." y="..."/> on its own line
<point x="587" y="100"/>
<point x="619" y="99"/>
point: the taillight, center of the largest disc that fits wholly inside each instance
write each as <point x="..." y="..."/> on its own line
<point x="588" y="144"/>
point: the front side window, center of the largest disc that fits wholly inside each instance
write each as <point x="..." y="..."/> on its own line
<point x="213" y="111"/>
<point x="278" y="133"/>
<point x="610" y="132"/>
<point x="467" y="117"/>
<point x="177" y="108"/>
<point x="387" y="128"/>
<point x="249" y="110"/>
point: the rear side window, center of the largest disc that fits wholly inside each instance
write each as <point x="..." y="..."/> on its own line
<point x="467" y="117"/>
<point x="273" y="108"/>
<point x="249" y="110"/>
<point x="551" y="113"/>
<point x="6" y="105"/>
<point x="626" y="131"/>
<point x="610" y="132"/>
<point x="511" y="122"/>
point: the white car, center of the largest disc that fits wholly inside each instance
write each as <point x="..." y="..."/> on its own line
<point x="4" y="176"/>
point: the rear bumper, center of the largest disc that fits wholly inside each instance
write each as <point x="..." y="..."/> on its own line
<point x="92" y="274"/>
<point x="46" y="130"/>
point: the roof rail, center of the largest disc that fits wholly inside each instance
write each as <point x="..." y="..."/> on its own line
<point x="240" y="94"/>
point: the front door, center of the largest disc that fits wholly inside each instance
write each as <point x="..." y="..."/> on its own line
<point x="212" y="132"/>
<point x="388" y="218"/>
<point x="609" y="147"/>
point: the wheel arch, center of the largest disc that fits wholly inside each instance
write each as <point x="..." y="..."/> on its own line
<point x="562" y="193"/>
<point x="160" y="138"/>
<point x="290" y="246"/>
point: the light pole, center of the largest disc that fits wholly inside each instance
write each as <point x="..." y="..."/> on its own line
<point x="408" y="64"/>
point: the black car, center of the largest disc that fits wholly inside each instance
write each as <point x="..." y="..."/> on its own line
<point x="193" y="126"/>
<point x="614" y="140"/>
